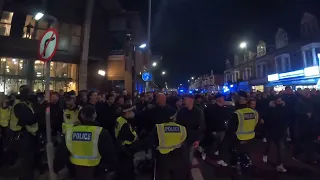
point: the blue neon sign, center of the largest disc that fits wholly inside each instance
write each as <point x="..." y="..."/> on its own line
<point x="146" y="76"/>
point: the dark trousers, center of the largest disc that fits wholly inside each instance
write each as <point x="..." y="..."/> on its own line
<point x="172" y="171"/>
<point x="216" y="143"/>
<point x="126" y="170"/>
<point x="278" y="145"/>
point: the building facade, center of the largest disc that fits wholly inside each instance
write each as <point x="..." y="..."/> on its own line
<point x="287" y="63"/>
<point x="20" y="33"/>
<point x="208" y="83"/>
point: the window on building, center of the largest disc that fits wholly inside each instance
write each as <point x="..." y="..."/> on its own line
<point x="286" y="63"/>
<point x="264" y="70"/>
<point x="39" y="68"/>
<point x="258" y="71"/>
<point x="281" y="38"/>
<point x="5" y="23"/>
<point x="248" y="73"/>
<point x="279" y="64"/>
<point x="62" y="70"/>
<point x="309" y="58"/>
<point x="34" y="29"/>
<point x="236" y="76"/>
<point x="76" y="35"/>
<point x="318" y="55"/>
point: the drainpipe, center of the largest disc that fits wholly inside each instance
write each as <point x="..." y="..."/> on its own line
<point x="86" y="28"/>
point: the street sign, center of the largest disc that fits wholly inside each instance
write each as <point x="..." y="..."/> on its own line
<point x="48" y="44"/>
<point x="146" y="76"/>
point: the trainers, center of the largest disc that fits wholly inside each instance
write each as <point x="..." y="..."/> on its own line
<point x="280" y="168"/>
<point x="200" y="149"/>
<point x="264" y="140"/>
<point x="222" y="163"/>
<point x="216" y="153"/>
<point x="203" y="156"/>
<point x="265" y="159"/>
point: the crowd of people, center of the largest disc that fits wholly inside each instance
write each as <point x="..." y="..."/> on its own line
<point x="96" y="131"/>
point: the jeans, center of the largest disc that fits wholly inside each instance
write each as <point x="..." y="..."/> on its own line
<point x="278" y="144"/>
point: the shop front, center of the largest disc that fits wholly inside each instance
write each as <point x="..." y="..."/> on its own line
<point x="304" y="78"/>
<point x="15" y="72"/>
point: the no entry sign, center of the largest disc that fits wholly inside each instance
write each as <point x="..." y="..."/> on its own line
<point x="48" y="45"/>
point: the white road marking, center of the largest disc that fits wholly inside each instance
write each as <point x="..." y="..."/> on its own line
<point x="196" y="173"/>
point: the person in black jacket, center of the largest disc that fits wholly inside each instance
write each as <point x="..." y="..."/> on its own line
<point x="276" y="125"/>
<point x="216" y="116"/>
<point x="192" y="118"/>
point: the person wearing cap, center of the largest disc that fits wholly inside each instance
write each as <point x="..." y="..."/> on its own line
<point x="22" y="129"/>
<point x="70" y="113"/>
<point x="125" y="135"/>
<point x="87" y="147"/>
<point x="172" y="155"/>
<point x="192" y="118"/>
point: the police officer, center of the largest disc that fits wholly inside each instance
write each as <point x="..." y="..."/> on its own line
<point x="70" y="114"/>
<point x="125" y="135"/>
<point x="86" y="146"/>
<point x="5" y="110"/>
<point x="241" y="127"/>
<point x="23" y="128"/>
<point x="172" y="155"/>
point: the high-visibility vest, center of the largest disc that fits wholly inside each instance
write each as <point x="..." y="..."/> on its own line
<point x="120" y="122"/>
<point x="70" y="118"/>
<point x="247" y="121"/>
<point x="82" y="142"/>
<point x="171" y="136"/>
<point x="5" y="116"/>
<point x="14" y="120"/>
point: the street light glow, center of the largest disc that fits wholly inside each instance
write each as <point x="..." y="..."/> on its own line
<point x="180" y="84"/>
<point x="188" y="80"/>
<point x="163" y="72"/>
<point x="38" y="16"/>
<point x="102" y="72"/>
<point x="143" y="46"/>
<point x="192" y="78"/>
<point x="154" y="64"/>
<point x="243" y="45"/>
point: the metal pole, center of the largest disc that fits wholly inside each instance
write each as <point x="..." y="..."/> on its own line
<point x="149" y="40"/>
<point x="133" y="88"/>
<point x="49" y="146"/>
<point x="85" y="46"/>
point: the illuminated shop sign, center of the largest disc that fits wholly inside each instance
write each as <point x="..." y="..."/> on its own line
<point x="273" y="77"/>
<point x="306" y="72"/>
<point x="291" y="74"/>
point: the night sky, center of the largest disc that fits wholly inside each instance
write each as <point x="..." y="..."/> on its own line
<point x="195" y="36"/>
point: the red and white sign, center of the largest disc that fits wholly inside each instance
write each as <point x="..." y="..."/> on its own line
<point x="48" y="44"/>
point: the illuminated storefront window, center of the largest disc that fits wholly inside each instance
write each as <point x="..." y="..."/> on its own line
<point x="30" y="27"/>
<point x="13" y="74"/>
<point x="5" y="23"/>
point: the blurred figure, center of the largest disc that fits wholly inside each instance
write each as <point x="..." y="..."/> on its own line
<point x="5" y="110"/>
<point x="216" y="116"/>
<point x="276" y="125"/>
<point x="56" y="114"/>
<point x="126" y="136"/>
<point x="172" y="152"/>
<point x="88" y="147"/>
<point x="23" y="129"/>
<point x="70" y="114"/>
<point x="192" y="118"/>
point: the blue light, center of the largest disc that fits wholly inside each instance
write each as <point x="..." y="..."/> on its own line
<point x="231" y="85"/>
<point x="190" y="92"/>
<point x="181" y="90"/>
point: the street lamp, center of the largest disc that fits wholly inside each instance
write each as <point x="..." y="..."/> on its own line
<point x="188" y="80"/>
<point x="101" y="72"/>
<point x="154" y="64"/>
<point x="38" y="16"/>
<point x="163" y="72"/>
<point x="142" y="46"/>
<point x="192" y="78"/>
<point x="180" y="84"/>
<point x="243" y="45"/>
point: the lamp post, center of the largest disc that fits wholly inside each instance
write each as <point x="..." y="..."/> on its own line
<point x="163" y="73"/>
<point x="49" y="146"/>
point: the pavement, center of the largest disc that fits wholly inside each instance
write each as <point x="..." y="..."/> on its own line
<point x="209" y="170"/>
